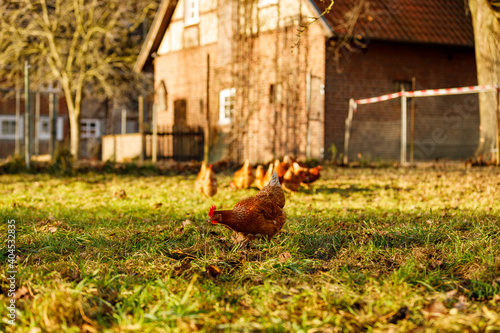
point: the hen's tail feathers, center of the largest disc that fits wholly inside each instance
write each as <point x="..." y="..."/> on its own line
<point x="275" y="180"/>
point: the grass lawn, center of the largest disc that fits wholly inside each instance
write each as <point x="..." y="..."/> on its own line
<point x="371" y="250"/>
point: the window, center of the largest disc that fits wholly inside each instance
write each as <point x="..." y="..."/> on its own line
<point x="90" y="128"/>
<point x="226" y="106"/>
<point x="191" y="12"/>
<point x="8" y="127"/>
<point x="44" y="128"/>
<point x="162" y="97"/>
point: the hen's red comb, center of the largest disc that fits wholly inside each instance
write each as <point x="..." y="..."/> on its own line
<point x="211" y="211"/>
<point x="319" y="167"/>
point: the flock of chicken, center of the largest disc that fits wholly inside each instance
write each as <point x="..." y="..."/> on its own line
<point x="291" y="174"/>
<point x="262" y="215"/>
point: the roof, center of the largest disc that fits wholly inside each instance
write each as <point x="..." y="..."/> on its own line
<point x="445" y="22"/>
<point x="155" y="34"/>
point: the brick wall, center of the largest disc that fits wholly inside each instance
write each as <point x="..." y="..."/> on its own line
<point x="445" y="127"/>
<point x="272" y="129"/>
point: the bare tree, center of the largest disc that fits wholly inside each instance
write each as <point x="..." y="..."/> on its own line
<point x="86" y="45"/>
<point x="486" y="22"/>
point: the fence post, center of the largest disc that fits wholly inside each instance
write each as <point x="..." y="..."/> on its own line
<point x="412" y="130"/>
<point x="53" y="124"/>
<point x="154" y="144"/>
<point x="498" y="129"/>
<point x="308" y="112"/>
<point x="206" y="143"/>
<point x="124" y="122"/>
<point x="18" y="120"/>
<point x="348" y="121"/>
<point x="37" y="123"/>
<point x="27" y="127"/>
<point x="140" y="102"/>
<point x="403" y="125"/>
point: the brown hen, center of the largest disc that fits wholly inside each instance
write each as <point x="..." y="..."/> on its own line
<point x="312" y="175"/>
<point x="280" y="168"/>
<point x="243" y="178"/>
<point x="255" y="217"/>
<point x="206" y="182"/>
<point x="291" y="181"/>
<point x="259" y="177"/>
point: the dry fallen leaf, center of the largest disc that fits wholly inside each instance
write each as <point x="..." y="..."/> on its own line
<point x="22" y="292"/>
<point x="435" y="309"/>
<point x="451" y="293"/>
<point x="120" y="194"/>
<point x="52" y="229"/>
<point x="213" y="270"/>
<point x="283" y="257"/>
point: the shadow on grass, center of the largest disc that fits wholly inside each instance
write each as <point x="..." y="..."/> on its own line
<point x="342" y="191"/>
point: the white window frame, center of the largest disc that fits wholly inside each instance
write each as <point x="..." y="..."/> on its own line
<point x="85" y="128"/>
<point x="46" y="135"/>
<point x="9" y="117"/>
<point x="224" y="95"/>
<point x="191" y="12"/>
<point x="43" y="135"/>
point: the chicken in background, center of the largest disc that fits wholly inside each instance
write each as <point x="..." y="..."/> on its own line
<point x="307" y="175"/>
<point x="260" y="216"/>
<point x="206" y="182"/>
<point x="243" y="178"/>
<point x="291" y="181"/>
<point x="280" y="168"/>
<point x="259" y="177"/>
<point x="201" y="174"/>
<point x="266" y="178"/>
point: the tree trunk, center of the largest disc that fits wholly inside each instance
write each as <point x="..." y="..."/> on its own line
<point x="486" y="32"/>
<point x="74" y="125"/>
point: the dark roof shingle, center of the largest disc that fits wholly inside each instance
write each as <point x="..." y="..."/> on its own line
<point x="442" y="22"/>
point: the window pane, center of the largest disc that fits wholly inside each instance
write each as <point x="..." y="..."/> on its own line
<point x="9" y="127"/>
<point x="45" y="128"/>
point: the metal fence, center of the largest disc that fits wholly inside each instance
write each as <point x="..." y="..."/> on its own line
<point x="393" y="129"/>
<point x="179" y="144"/>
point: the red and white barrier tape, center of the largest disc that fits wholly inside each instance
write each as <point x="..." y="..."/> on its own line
<point x="429" y="92"/>
<point x="379" y="98"/>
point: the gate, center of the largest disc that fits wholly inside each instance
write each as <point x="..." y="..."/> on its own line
<point x="179" y="143"/>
